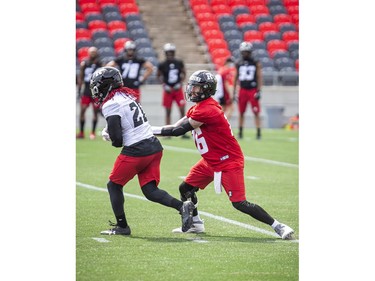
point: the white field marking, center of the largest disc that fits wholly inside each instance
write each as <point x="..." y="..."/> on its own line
<point x="101" y="240"/>
<point x="182" y="177"/>
<point x="252" y="178"/>
<point x="219" y="218"/>
<point x="248" y="158"/>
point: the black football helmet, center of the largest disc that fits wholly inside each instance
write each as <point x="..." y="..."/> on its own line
<point x="104" y="80"/>
<point x="207" y="82"/>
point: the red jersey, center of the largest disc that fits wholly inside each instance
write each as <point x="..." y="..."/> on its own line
<point x="214" y="138"/>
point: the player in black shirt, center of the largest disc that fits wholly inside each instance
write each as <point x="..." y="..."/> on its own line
<point x="130" y="66"/>
<point x="171" y="73"/>
<point x="249" y="75"/>
<point x="87" y="68"/>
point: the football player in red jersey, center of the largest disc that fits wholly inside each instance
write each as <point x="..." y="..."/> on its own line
<point x="222" y="158"/>
<point x="128" y="127"/>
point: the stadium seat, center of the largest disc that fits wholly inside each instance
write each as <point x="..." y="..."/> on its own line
<point x="100" y="33"/>
<point x="90" y="7"/>
<point x="228" y="25"/>
<point x="97" y="24"/>
<point x="130" y="17"/>
<point x="245" y="18"/>
<point x="80" y="16"/>
<point x="283" y="27"/>
<point x="293" y="10"/>
<point x="277" y="54"/>
<point x="233" y="34"/>
<point x="103" y="42"/>
<point x="80" y="43"/>
<point x="257" y="2"/>
<point x="106" y="52"/>
<point x="288" y="76"/>
<point x="135" y="24"/>
<point x="198" y="2"/>
<point x="212" y="34"/>
<point x="216" y="44"/>
<point x="276" y="45"/>
<point x="205" y="17"/>
<point x="248" y="26"/>
<point x="83" y="2"/>
<point x="282" y="18"/>
<point x="112" y="16"/>
<point x="93" y="16"/>
<point x="293" y="45"/>
<point x="290" y="36"/>
<point x="117" y="24"/>
<point x="126" y="2"/>
<point x="109" y="8"/>
<point x="226" y="18"/>
<point x="294" y="54"/>
<point x="271" y="3"/>
<point x="260" y="53"/>
<point x="106" y="2"/>
<point x="203" y="8"/>
<point x="83" y="53"/>
<point x="271" y="35"/>
<point x="266" y="62"/>
<point x="259" y="44"/>
<point x="81" y="24"/>
<point x="263" y="18"/>
<point x="252" y="35"/>
<point x="282" y="63"/>
<point x="218" y="2"/>
<point x="233" y="3"/>
<point x="138" y="33"/>
<point x="82" y="33"/>
<point x="234" y="44"/>
<point x="268" y="26"/>
<point x="297" y="64"/>
<point x="279" y="9"/>
<point x="119" y="33"/>
<point x="128" y="8"/>
<point x="143" y="43"/>
<point x="209" y="25"/>
<point x="259" y="10"/>
<point x="220" y="53"/>
<point x="238" y="10"/>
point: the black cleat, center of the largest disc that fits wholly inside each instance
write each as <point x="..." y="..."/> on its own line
<point x="186" y="212"/>
<point x="117" y="230"/>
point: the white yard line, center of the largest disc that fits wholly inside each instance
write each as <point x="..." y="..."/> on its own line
<point x="219" y="218"/>
<point x="248" y="158"/>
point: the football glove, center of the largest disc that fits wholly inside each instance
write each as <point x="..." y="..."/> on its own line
<point x="167" y="88"/>
<point x="105" y="134"/>
<point x="258" y="95"/>
<point x="177" y="86"/>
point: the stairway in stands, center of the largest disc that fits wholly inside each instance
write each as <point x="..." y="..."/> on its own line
<point x="167" y="22"/>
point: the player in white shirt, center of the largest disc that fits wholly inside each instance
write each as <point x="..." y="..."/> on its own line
<point x="128" y="127"/>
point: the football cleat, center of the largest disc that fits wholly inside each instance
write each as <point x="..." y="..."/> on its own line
<point x="186" y="212"/>
<point x="284" y="231"/>
<point x="117" y="230"/>
<point x="80" y="135"/>
<point x="92" y="136"/>
<point x="196" y="227"/>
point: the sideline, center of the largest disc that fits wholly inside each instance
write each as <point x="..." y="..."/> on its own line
<point x="219" y="218"/>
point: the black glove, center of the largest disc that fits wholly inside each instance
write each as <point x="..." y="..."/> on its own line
<point x="167" y="88"/>
<point x="177" y="86"/>
<point x="258" y="95"/>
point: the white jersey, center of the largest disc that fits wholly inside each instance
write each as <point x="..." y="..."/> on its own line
<point x="219" y="88"/>
<point x="134" y="123"/>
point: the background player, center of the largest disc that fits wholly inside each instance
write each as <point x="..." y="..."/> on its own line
<point x="249" y="75"/>
<point x="131" y="66"/>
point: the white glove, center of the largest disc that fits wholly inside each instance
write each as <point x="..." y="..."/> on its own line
<point x="105" y="134"/>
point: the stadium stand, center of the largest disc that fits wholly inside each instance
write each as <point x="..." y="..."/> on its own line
<point x="272" y="26"/>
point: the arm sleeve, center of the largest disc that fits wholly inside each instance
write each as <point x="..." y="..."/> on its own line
<point x="178" y="130"/>
<point x="115" y="130"/>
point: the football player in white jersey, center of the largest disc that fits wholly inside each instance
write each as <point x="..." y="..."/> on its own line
<point x="128" y="127"/>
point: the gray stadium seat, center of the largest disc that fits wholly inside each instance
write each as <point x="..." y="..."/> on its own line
<point x="103" y="42"/>
<point x="292" y="46"/>
<point x="278" y="9"/>
<point x="266" y="62"/>
<point x="135" y="25"/>
<point x="294" y="54"/>
<point x="83" y="43"/>
<point x="280" y="54"/>
<point x="138" y="33"/>
<point x="259" y="45"/>
<point x="284" y="62"/>
<point x="249" y="26"/>
<point x="289" y="76"/>
<point x="287" y="27"/>
<point x="106" y="52"/>
<point x="93" y="16"/>
<point x="264" y="18"/>
<point x="228" y="25"/>
<point x="100" y="34"/>
<point x="132" y="17"/>
<point x="112" y="16"/>
<point x="81" y="24"/>
<point x="233" y="34"/>
<point x="110" y="8"/>
<point x="271" y="35"/>
<point x="227" y="18"/>
<point x="260" y="53"/>
<point x="120" y="34"/>
<point x="240" y="10"/>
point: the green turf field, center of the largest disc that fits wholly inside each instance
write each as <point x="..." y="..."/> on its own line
<point x="224" y="252"/>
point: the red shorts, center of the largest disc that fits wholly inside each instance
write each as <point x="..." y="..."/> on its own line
<point x="201" y="174"/>
<point x="146" y="167"/>
<point x="245" y="96"/>
<point x="86" y="100"/>
<point x="177" y="96"/>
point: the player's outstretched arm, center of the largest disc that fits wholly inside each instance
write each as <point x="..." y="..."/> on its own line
<point x="182" y="126"/>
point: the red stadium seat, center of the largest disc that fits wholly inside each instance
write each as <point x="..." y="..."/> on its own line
<point x="209" y="25"/>
<point x="104" y="2"/>
<point x="128" y="8"/>
<point x="282" y="18"/>
<point x="257" y="2"/>
<point x="80" y="16"/>
<point x="116" y="24"/>
<point x="90" y="7"/>
<point x="233" y="3"/>
<point x="216" y="44"/>
<point x="296" y="64"/>
<point x="97" y="24"/>
<point x="276" y="45"/>
<point x="83" y="2"/>
<point x="220" y="53"/>
<point x="290" y="36"/>
<point x="201" y="9"/>
<point x="293" y="10"/>
<point x="291" y="3"/>
<point x="245" y="18"/>
<point x="252" y="35"/>
<point x="219" y="62"/>
<point x="222" y="10"/>
<point x="198" y="2"/>
<point x="205" y="17"/>
<point x="212" y="34"/>
<point x="83" y="53"/>
<point x="259" y="10"/>
<point x="218" y="2"/>
<point x="82" y="33"/>
<point x="268" y="26"/>
<point x="119" y="2"/>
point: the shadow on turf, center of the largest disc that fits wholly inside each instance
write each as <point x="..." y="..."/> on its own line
<point x="185" y="238"/>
